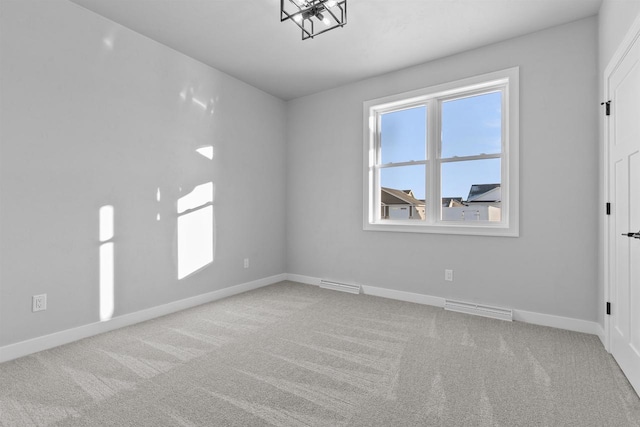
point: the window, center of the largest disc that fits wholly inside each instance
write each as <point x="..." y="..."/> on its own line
<point x="444" y="159"/>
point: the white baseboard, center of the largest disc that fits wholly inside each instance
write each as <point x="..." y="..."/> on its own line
<point x="568" y="323"/>
<point x="403" y="296"/>
<point x="307" y="280"/>
<point x="559" y="322"/>
<point x="602" y="336"/>
<point x="377" y="292"/>
<point x="23" y="348"/>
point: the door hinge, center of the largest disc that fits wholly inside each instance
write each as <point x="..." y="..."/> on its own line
<point x="607" y="108"/>
<point x="609" y="308"/>
<point x="608" y="208"/>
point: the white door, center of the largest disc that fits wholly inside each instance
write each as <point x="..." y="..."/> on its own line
<point x="624" y="193"/>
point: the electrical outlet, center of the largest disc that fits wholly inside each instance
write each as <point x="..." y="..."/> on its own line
<point x="448" y="275"/>
<point x="246" y="263"/>
<point x="39" y="302"/>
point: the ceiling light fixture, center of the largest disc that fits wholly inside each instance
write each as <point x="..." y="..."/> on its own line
<point x="331" y="13"/>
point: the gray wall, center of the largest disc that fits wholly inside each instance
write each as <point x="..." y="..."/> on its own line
<point x="614" y="20"/>
<point x="551" y="268"/>
<point x="91" y="114"/>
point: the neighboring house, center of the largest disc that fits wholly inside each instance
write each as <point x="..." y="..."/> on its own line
<point x="452" y="202"/>
<point x="400" y="204"/>
<point x="483" y="204"/>
<point x="485" y="193"/>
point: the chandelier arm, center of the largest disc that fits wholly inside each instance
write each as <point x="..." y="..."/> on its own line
<point x="288" y="15"/>
<point x="332" y="14"/>
<point x="310" y="9"/>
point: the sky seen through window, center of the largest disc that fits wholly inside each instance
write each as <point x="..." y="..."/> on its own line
<point x="470" y="126"/>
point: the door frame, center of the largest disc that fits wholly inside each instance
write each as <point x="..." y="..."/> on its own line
<point x="632" y="36"/>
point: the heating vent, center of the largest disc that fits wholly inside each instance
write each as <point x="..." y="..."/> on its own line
<point x="344" y="287"/>
<point x="479" y="309"/>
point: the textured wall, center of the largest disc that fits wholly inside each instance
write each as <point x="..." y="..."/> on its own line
<point x="550" y="268"/>
<point x="93" y="114"/>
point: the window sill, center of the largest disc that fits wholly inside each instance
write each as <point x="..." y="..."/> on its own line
<point x="496" y="230"/>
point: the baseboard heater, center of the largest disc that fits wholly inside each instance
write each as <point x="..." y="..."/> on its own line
<point x="344" y="287"/>
<point x="479" y="309"/>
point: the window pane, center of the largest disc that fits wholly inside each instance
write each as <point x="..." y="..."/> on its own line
<point x="403" y="135"/>
<point x="471" y="191"/>
<point x="402" y="192"/>
<point x="472" y="126"/>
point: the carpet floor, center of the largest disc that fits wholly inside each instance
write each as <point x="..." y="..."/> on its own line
<point x="296" y="355"/>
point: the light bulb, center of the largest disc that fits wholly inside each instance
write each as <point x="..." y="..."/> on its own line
<point x="297" y="18"/>
<point x="331" y="3"/>
<point x="324" y="19"/>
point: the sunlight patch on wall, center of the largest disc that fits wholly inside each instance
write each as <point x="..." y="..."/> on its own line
<point x="186" y="92"/>
<point x="106" y="234"/>
<point x="158" y="199"/>
<point x="199" y="103"/>
<point x="108" y="42"/>
<point x="206" y="151"/>
<point x="188" y="96"/>
<point x="196" y="226"/>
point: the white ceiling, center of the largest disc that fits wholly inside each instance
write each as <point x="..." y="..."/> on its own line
<point x="245" y="38"/>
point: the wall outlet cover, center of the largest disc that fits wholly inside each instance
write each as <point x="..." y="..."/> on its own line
<point x="39" y="302"/>
<point x="448" y="275"/>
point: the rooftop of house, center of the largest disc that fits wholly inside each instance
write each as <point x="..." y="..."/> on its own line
<point x="480" y="192"/>
<point x="450" y="202"/>
<point x="391" y="196"/>
<point x="477" y="193"/>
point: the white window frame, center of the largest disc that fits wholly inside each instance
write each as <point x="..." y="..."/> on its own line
<point x="505" y="80"/>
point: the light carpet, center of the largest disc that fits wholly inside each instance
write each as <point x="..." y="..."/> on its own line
<point x="296" y="355"/>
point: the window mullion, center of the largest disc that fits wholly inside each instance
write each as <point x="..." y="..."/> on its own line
<point x="433" y="143"/>
<point x="504" y="162"/>
<point x="467" y="158"/>
<point x="376" y="169"/>
<point x="410" y="163"/>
